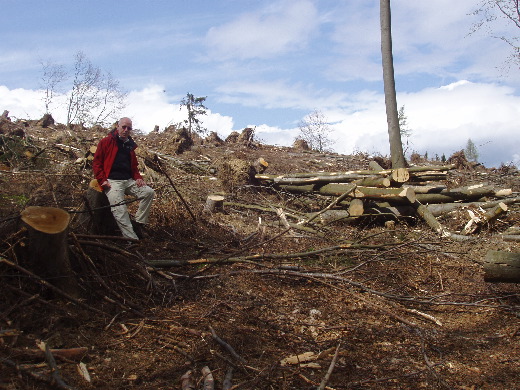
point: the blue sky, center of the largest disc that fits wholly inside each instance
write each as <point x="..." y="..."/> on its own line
<point x="270" y="63"/>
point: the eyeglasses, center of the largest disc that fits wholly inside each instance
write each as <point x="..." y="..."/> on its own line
<point x="129" y="128"/>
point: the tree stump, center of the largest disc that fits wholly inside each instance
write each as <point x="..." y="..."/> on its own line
<point x="47" y="246"/>
<point x="98" y="218"/>
<point x="502" y="267"/>
<point x="214" y="203"/>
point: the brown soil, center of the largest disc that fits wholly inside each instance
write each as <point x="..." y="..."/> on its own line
<point x="403" y="308"/>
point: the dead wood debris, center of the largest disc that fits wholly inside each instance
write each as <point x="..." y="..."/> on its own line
<point x="391" y="282"/>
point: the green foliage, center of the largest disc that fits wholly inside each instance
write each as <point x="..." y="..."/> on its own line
<point x="471" y="151"/>
<point x="18" y="200"/>
<point x="403" y="123"/>
<point x="195" y="107"/>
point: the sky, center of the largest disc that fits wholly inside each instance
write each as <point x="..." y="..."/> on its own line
<point x="268" y="64"/>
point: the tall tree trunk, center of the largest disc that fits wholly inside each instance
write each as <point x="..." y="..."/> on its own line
<point x="392" y="116"/>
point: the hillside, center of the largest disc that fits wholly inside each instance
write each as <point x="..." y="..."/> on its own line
<point x="376" y="301"/>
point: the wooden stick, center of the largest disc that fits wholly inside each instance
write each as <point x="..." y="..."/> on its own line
<point x="227" y="383"/>
<point x="57" y="380"/>
<point x="187" y="382"/>
<point x="155" y="165"/>
<point x="331" y="368"/>
<point x="226" y="346"/>
<point x="332" y="204"/>
<point x="209" y="382"/>
<point x="50" y="286"/>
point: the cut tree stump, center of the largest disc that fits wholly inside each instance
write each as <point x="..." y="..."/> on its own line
<point x="47" y="246"/>
<point x="502" y="267"/>
<point x="214" y="203"/>
<point x="98" y="216"/>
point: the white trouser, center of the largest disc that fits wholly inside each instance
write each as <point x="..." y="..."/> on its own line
<point x="116" y="194"/>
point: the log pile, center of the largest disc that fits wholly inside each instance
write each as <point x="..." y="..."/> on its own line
<point x="405" y="192"/>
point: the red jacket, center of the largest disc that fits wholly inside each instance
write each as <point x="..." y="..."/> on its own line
<point x="105" y="155"/>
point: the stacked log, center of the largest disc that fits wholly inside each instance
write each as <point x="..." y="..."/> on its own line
<point x="413" y="191"/>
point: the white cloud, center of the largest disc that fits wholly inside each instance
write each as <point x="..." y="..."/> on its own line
<point x="22" y="103"/>
<point x="281" y="26"/>
<point x="272" y="135"/>
<point x="151" y="106"/>
<point x="442" y="119"/>
<point x="278" y="94"/>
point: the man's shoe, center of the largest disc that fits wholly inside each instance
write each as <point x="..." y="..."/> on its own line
<point x="140" y="230"/>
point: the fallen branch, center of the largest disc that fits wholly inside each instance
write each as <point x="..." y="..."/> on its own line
<point x="52" y="287"/>
<point x="226" y="346"/>
<point x="207" y="378"/>
<point x="429" y="218"/>
<point x="187" y="382"/>
<point x="227" y="383"/>
<point x="57" y="380"/>
<point x="329" y="371"/>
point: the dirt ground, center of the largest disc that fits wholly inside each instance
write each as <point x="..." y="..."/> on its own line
<point x="361" y="305"/>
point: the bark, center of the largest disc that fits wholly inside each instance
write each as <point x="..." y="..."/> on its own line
<point x="209" y="382"/>
<point x="322" y="179"/>
<point x="227" y="383"/>
<point x="478" y="218"/>
<point x="432" y="222"/>
<point x="47" y="245"/>
<point x="370" y="192"/>
<point x="375" y="166"/>
<point x="187" y="381"/>
<point x="214" y="203"/>
<point x="439" y="209"/>
<point x="463" y="193"/>
<point x="426" y="189"/>
<point x="392" y="116"/>
<point x="502" y="266"/>
<point x="331" y="216"/>
<point x="98" y="216"/>
<point x="373" y="182"/>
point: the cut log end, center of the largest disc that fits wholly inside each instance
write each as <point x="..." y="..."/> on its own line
<point x="400" y="175"/>
<point x="46" y="219"/>
<point x="95" y="185"/>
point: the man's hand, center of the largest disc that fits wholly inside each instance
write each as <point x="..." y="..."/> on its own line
<point x="105" y="185"/>
<point x="140" y="183"/>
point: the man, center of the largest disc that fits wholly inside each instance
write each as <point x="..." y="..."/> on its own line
<point x="115" y="168"/>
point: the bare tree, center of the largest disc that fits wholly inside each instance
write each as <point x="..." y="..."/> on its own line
<point x="52" y="76"/>
<point x="315" y="130"/>
<point x="493" y="12"/>
<point x="95" y="97"/>
<point x="392" y="116"/>
<point x="196" y="108"/>
<point x="111" y="99"/>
